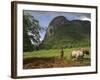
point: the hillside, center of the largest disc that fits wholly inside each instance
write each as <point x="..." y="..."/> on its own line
<point x="68" y="34"/>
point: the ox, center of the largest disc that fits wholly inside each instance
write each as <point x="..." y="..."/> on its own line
<point x="79" y="53"/>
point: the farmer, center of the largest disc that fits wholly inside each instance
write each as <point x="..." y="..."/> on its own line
<point x="62" y="53"/>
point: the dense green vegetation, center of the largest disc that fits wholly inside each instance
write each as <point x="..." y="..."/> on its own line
<point x="30" y="33"/>
<point x="74" y="34"/>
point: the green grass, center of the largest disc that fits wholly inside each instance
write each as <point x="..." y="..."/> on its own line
<point x="50" y="53"/>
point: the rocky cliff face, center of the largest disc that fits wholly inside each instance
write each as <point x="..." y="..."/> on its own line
<point x="64" y="33"/>
<point x="56" y="23"/>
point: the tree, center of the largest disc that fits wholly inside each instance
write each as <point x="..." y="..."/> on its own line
<point x="31" y="37"/>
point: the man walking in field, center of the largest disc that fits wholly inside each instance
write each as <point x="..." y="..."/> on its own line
<point x="62" y="53"/>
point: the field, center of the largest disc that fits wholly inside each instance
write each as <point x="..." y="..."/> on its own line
<point x="52" y="58"/>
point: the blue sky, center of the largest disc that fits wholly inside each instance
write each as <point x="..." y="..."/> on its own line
<point x="45" y="17"/>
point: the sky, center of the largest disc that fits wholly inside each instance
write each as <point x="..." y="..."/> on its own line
<point x="45" y="17"/>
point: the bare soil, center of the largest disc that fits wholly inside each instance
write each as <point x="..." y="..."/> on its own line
<point x="33" y="63"/>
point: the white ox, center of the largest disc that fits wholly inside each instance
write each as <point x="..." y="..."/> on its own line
<point x="79" y="53"/>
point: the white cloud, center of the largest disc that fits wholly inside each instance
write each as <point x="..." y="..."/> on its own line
<point x="85" y="18"/>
